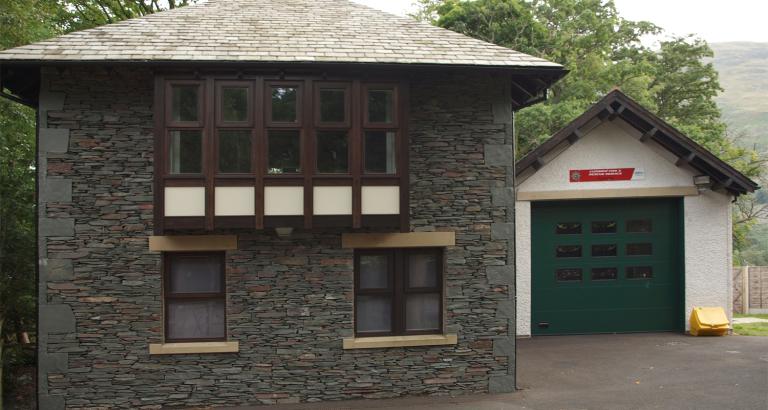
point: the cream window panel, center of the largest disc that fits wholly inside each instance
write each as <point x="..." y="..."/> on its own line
<point x="283" y="201"/>
<point x="185" y="201"/>
<point x="332" y="200"/>
<point x="381" y="200"/>
<point x="235" y="201"/>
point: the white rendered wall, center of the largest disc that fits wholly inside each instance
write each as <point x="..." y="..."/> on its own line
<point x="523" y="266"/>
<point x="611" y="145"/>
<point x="708" y="255"/>
<point x="707" y="224"/>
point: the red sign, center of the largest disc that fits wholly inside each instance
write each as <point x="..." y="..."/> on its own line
<point x="605" y="174"/>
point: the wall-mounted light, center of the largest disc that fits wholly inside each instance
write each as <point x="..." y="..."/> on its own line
<point x="283" y="231"/>
<point x="702" y="182"/>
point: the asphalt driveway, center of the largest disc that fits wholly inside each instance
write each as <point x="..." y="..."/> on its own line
<point x="643" y="371"/>
<point x="637" y="371"/>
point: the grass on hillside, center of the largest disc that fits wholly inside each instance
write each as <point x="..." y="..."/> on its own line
<point x="751" y="329"/>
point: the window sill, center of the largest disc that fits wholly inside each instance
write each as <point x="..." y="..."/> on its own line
<point x="193" y="347"/>
<point x="399" y="341"/>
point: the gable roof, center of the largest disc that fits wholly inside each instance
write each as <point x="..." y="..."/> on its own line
<point x="618" y="105"/>
<point x="330" y="31"/>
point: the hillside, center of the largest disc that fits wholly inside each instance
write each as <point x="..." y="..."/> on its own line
<point x="743" y="69"/>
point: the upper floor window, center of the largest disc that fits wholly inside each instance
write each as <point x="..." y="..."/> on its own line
<point x="281" y="128"/>
<point x="254" y="151"/>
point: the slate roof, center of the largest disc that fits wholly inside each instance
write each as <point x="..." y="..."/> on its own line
<point x="329" y="31"/>
<point x="616" y="104"/>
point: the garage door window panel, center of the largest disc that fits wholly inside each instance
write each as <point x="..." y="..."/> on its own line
<point x="604" y="250"/>
<point x="568" y="275"/>
<point x="568" y="251"/>
<point x="639" y="226"/>
<point x="601" y="274"/>
<point x="639" y="249"/>
<point x="568" y="228"/>
<point x="639" y="272"/>
<point x="603" y="227"/>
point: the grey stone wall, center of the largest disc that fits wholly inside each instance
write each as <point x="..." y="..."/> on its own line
<point x="289" y="300"/>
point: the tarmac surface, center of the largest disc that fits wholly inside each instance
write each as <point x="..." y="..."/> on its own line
<point x="632" y="371"/>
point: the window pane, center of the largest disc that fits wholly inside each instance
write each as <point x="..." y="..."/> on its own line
<point x="186" y="151"/>
<point x="568" y="274"/>
<point x="234" y="104"/>
<point x="184" y="99"/>
<point x="639" y="226"/>
<point x="379" y="149"/>
<point x="604" y="227"/>
<point x="374" y="272"/>
<point x="284" y="104"/>
<point x="639" y="272"/>
<point x="234" y="151"/>
<point x="195" y="319"/>
<point x="568" y="251"/>
<point x="568" y="228"/>
<point x="332" y="105"/>
<point x="604" y="273"/>
<point x="284" y="152"/>
<point x="422" y="312"/>
<point x="380" y="106"/>
<point x="195" y="274"/>
<point x="374" y="314"/>
<point x="604" y="250"/>
<point x="639" y="249"/>
<point x="332" y="156"/>
<point x="422" y="270"/>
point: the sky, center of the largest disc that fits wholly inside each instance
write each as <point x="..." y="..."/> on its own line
<point x="714" y="21"/>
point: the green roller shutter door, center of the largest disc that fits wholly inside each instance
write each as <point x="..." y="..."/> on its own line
<point x="607" y="266"/>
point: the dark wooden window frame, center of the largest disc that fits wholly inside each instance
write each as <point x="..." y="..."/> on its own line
<point x="398" y="288"/>
<point x="168" y="296"/>
<point x="259" y="122"/>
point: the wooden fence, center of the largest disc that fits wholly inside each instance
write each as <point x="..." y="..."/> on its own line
<point x="750" y="283"/>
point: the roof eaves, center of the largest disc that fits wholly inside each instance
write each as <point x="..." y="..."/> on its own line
<point x="743" y="183"/>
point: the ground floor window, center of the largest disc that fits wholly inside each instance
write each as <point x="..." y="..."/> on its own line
<point x="195" y="297"/>
<point x="398" y="291"/>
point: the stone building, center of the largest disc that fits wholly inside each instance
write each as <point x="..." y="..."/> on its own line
<point x="273" y="201"/>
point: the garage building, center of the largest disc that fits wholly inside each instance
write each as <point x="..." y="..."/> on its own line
<point x="623" y="225"/>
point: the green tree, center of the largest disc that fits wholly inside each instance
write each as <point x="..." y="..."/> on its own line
<point x="23" y="22"/>
<point x="602" y="50"/>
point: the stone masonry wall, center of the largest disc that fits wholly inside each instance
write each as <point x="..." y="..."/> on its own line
<point x="289" y="300"/>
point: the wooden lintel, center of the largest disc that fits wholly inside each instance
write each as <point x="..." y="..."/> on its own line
<point x="398" y="240"/>
<point x="538" y="163"/>
<point x="192" y="243"/>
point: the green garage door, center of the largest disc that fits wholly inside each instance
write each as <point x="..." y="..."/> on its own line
<point x="607" y="266"/>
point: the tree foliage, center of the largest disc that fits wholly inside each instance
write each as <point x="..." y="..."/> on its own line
<point x="603" y="50"/>
<point x="23" y="22"/>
